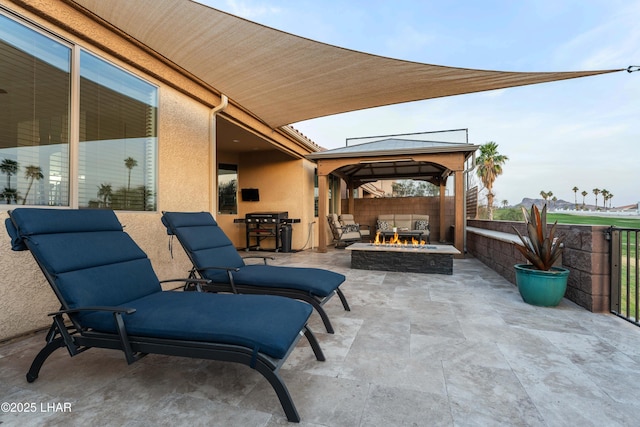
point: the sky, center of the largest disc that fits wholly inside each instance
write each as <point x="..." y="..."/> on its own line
<point x="581" y="133"/>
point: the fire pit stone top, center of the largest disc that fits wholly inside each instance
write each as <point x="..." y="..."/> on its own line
<point x="386" y="247"/>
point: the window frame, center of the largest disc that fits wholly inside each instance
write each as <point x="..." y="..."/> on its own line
<point x="76" y="48"/>
<point x="227" y="167"/>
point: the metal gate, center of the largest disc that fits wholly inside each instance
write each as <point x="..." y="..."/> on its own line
<point x="625" y="298"/>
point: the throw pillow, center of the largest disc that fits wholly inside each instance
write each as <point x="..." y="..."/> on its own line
<point x="348" y="228"/>
<point x="422" y="224"/>
<point x="383" y="225"/>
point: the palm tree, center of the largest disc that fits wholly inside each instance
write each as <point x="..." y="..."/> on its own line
<point x="605" y="197"/>
<point x="505" y="203"/>
<point x="9" y="167"/>
<point x="549" y="194"/>
<point x="129" y="163"/>
<point x="575" y="196"/>
<point x="596" y="191"/>
<point x="610" y="197"/>
<point x="105" y="192"/>
<point x="11" y="194"/>
<point x="32" y="173"/>
<point x="554" y="199"/>
<point x="544" y="195"/>
<point x="489" y="168"/>
<point x="584" y="194"/>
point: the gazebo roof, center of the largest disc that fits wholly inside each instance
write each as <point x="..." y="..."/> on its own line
<point x="393" y="147"/>
<point x="394" y="158"/>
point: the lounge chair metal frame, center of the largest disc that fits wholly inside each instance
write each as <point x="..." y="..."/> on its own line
<point x="77" y="339"/>
<point x="236" y="288"/>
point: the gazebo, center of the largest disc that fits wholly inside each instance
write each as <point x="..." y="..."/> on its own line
<point x="395" y="158"/>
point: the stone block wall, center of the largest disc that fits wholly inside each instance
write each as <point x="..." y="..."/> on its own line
<point x="586" y="254"/>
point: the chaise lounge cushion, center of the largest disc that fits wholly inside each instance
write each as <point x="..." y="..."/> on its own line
<point x="66" y="243"/>
<point x="314" y="280"/>
<point x="267" y="323"/>
<point x="204" y="239"/>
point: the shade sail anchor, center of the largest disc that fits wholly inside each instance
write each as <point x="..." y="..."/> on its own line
<point x="633" y="68"/>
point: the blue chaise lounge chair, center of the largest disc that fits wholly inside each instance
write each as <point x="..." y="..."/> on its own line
<point x="215" y="258"/>
<point x="112" y="298"/>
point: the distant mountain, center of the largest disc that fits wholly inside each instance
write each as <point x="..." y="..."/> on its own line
<point x="557" y="205"/>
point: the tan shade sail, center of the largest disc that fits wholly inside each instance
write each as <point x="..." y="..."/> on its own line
<point x="282" y="78"/>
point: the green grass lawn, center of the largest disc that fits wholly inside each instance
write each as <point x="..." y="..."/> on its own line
<point x="513" y="214"/>
<point x="621" y="222"/>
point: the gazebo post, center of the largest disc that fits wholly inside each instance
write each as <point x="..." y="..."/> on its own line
<point x="352" y="203"/>
<point x="443" y="189"/>
<point x="458" y="238"/>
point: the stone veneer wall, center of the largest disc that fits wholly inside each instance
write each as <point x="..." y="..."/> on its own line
<point x="586" y="254"/>
<point x="368" y="209"/>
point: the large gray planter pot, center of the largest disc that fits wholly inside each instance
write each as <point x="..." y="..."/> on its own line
<point x="541" y="288"/>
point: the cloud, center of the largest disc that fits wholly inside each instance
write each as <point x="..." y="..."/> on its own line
<point x="614" y="43"/>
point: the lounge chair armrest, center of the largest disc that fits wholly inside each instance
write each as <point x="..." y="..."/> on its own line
<point x="262" y="257"/>
<point x="124" y="310"/>
<point x="187" y="282"/>
<point x="236" y="269"/>
<point x="204" y="281"/>
<point x="63" y="330"/>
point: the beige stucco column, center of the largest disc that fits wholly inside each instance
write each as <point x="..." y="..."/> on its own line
<point x="323" y="211"/>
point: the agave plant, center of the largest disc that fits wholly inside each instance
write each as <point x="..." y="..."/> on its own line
<point x="540" y="248"/>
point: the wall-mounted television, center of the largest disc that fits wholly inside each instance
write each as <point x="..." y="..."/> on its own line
<point x="250" y="195"/>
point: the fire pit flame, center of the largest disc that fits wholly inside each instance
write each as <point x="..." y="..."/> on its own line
<point x="396" y="242"/>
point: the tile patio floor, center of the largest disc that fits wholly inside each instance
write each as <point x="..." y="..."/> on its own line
<point x="416" y="350"/>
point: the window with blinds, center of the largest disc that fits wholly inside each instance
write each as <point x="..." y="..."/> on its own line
<point x="117" y="150"/>
<point x="35" y="82"/>
<point x="116" y="141"/>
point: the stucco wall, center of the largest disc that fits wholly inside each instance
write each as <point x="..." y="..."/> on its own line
<point x="285" y="184"/>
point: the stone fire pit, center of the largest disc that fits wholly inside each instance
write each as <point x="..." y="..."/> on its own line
<point x="436" y="259"/>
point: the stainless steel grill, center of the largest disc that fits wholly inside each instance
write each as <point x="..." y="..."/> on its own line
<point x="269" y="225"/>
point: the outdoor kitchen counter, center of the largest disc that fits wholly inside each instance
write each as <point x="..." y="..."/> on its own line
<point x="428" y="259"/>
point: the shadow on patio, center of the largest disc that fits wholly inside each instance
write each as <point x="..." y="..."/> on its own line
<point x="415" y="350"/>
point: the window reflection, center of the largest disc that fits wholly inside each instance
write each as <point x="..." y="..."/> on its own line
<point x="34" y="117"/>
<point x="117" y="134"/>
<point x="227" y="189"/>
<point x="117" y="138"/>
